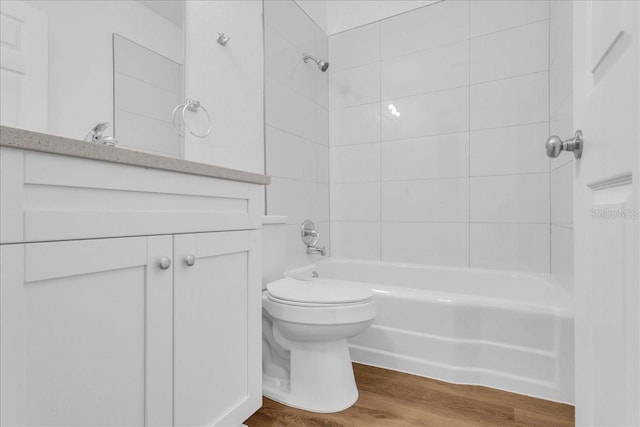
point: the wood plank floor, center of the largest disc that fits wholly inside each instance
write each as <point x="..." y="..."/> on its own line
<point x="389" y="398"/>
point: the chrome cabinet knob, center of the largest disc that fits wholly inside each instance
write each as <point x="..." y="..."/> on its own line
<point x="555" y="145"/>
<point x="164" y="263"/>
<point x="190" y="260"/>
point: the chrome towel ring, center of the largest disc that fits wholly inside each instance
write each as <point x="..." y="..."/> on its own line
<point x="193" y="106"/>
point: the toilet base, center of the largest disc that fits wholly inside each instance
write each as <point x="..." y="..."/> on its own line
<point x="322" y="376"/>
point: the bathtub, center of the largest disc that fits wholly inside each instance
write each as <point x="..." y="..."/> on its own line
<point x="506" y="330"/>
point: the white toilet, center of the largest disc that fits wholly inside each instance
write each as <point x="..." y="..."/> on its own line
<point x="305" y="327"/>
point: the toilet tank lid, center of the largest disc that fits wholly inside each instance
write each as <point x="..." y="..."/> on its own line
<point x="319" y="291"/>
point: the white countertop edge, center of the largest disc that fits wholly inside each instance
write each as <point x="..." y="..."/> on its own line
<point x="46" y="143"/>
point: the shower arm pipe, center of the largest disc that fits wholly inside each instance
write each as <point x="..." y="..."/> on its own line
<point x="322" y="64"/>
<point x="306" y="58"/>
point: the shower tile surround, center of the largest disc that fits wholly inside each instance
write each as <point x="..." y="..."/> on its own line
<point x="297" y="125"/>
<point x="438" y="119"/>
<point x="561" y="168"/>
<point x="488" y="80"/>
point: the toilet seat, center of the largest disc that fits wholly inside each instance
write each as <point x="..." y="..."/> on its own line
<point x="319" y="301"/>
<point x="317" y="292"/>
<point x="313" y="304"/>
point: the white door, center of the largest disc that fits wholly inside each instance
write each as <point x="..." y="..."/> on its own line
<point x="86" y="333"/>
<point x="217" y="328"/>
<point x="24" y="66"/>
<point x="606" y="96"/>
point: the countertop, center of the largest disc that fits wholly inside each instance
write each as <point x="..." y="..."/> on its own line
<point x="45" y="143"/>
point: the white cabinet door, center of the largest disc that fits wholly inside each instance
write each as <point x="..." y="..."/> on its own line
<point x="217" y="340"/>
<point x="86" y="333"/>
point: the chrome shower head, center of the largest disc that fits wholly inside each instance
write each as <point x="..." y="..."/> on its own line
<point x="322" y="64"/>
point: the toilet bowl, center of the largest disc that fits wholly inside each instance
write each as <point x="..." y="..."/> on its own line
<point x="305" y="327"/>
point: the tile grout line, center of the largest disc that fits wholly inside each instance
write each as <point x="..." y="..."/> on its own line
<point x="439" y="46"/>
<point x="436" y="178"/>
<point x="433" y="92"/>
<point x="410" y="139"/>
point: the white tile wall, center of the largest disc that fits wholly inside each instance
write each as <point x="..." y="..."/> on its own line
<point x="282" y="147"/>
<point x="298" y="200"/>
<point x="355" y="125"/>
<point x="289" y="110"/>
<point x="562" y="124"/>
<point x="286" y="65"/>
<point x="512" y="101"/>
<point x="359" y="46"/>
<point x="442" y="156"/>
<point x="509" y="150"/>
<point x="355" y="202"/>
<point x="425" y="28"/>
<point x="440" y="129"/>
<point x="489" y="16"/>
<point x="426" y="243"/>
<point x="521" y="50"/>
<point x="357" y="240"/>
<point x="354" y="86"/>
<point x="562" y="196"/>
<point x="297" y="125"/>
<point x="562" y="255"/>
<point x="510" y="198"/>
<point x="521" y="247"/>
<point x="322" y="163"/>
<point x="561" y="168"/>
<point x="290" y="21"/>
<point x="435" y="113"/>
<point x="426" y="71"/>
<point x="435" y="200"/>
<point x="560" y="89"/>
<point x="355" y="163"/>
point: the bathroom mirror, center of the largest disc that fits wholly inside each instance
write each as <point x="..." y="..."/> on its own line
<point x="58" y="66"/>
<point x="147" y="87"/>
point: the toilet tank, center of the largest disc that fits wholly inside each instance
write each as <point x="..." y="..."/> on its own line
<point x="274" y="247"/>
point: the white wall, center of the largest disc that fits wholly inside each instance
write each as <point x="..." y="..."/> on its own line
<point x="561" y="172"/>
<point x="81" y="58"/>
<point x="460" y="176"/>
<point x="228" y="81"/>
<point x="297" y="122"/>
<point x="337" y="16"/>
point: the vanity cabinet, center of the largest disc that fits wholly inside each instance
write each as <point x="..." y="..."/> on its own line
<point x="140" y="310"/>
<point x="86" y="333"/>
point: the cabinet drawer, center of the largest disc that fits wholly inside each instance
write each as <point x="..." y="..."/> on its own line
<point x="47" y="197"/>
